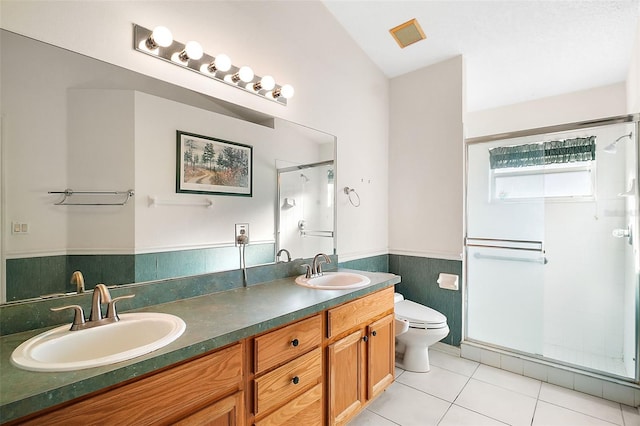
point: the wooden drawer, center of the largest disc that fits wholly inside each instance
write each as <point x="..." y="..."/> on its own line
<point x="279" y="386"/>
<point x="305" y="409"/>
<point x="358" y="312"/>
<point x="287" y="343"/>
<point x="161" y="398"/>
<point x="228" y="411"/>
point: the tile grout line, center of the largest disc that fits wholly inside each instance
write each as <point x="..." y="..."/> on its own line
<point x="468" y="409"/>
<point x="535" y="408"/>
<point x="380" y="415"/>
<point x="584" y="414"/>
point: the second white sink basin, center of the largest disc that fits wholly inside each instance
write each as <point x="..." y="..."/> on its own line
<point x="334" y="281"/>
<point x="60" y="349"/>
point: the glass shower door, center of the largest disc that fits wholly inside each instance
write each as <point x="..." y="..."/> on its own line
<point x="505" y="258"/>
<point x="552" y="247"/>
<point x="305" y="213"/>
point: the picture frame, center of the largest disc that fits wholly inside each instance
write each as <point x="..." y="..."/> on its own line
<point x="208" y="165"/>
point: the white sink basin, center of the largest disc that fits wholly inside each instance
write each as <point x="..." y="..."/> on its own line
<point x="60" y="349"/>
<point x="334" y="281"/>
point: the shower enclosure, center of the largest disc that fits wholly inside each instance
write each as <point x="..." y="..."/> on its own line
<point x="305" y="211"/>
<point x="552" y="260"/>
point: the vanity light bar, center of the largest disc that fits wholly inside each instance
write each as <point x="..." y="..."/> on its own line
<point x="192" y="57"/>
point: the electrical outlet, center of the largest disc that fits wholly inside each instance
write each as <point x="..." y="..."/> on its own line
<point x="242" y="233"/>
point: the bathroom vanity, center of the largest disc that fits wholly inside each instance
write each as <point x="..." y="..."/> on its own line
<point x="270" y="354"/>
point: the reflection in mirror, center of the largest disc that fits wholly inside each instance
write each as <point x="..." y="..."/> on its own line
<point x="305" y="208"/>
<point x="87" y="125"/>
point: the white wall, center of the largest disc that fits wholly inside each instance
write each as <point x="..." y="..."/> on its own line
<point x="633" y="78"/>
<point x="600" y="102"/>
<point x="42" y="152"/>
<point x="101" y="157"/>
<point x="426" y="162"/>
<point x="166" y="227"/>
<point x="297" y="42"/>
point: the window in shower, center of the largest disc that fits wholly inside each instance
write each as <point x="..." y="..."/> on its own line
<point x="558" y="169"/>
<point x="570" y="182"/>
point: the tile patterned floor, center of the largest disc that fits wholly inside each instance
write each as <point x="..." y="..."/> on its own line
<point x="458" y="391"/>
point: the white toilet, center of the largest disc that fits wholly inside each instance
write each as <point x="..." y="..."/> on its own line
<point x="426" y="327"/>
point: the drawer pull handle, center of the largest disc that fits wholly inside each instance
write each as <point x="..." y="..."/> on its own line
<point x="295" y="380"/>
<point x="366" y="339"/>
<point x="295" y="342"/>
<point x="374" y="333"/>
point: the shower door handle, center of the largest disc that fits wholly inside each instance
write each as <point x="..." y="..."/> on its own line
<point x="623" y="233"/>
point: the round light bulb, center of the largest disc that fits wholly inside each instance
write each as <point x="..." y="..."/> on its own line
<point x="287" y="91"/>
<point x="162" y="36"/>
<point x="194" y="50"/>
<point x="267" y="83"/>
<point x="246" y="74"/>
<point x="222" y="62"/>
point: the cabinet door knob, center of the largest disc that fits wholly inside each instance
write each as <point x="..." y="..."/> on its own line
<point x="374" y="333"/>
<point x="365" y="338"/>
<point x="295" y="342"/>
<point x="295" y="380"/>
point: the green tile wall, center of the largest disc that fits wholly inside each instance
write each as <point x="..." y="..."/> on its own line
<point x="37" y="276"/>
<point x="372" y="264"/>
<point x="34" y="314"/>
<point x="184" y="263"/>
<point x="97" y="269"/>
<point x="419" y="276"/>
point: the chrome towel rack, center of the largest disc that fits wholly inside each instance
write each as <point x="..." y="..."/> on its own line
<point x="306" y="233"/>
<point x="68" y="193"/>
<point x="160" y="201"/>
<point x="542" y="260"/>
<point x="496" y="243"/>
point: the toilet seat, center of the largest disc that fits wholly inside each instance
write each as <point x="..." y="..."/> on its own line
<point x="419" y="316"/>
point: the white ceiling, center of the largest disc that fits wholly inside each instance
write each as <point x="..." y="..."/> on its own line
<point x="514" y="50"/>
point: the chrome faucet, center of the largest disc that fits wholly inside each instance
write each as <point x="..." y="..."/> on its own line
<point x="316" y="266"/>
<point x="100" y="295"/>
<point x="285" y="251"/>
<point x="78" y="280"/>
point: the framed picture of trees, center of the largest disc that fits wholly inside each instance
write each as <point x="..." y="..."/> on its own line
<point x="207" y="165"/>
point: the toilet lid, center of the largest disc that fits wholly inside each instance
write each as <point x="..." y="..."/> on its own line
<point x="419" y="316"/>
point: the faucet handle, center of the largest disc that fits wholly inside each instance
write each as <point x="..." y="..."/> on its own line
<point x="78" y="317"/>
<point x="308" y="270"/>
<point x="111" y="307"/>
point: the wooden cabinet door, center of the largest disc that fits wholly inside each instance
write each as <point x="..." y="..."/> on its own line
<point x="226" y="412"/>
<point x="346" y="377"/>
<point x="380" y="355"/>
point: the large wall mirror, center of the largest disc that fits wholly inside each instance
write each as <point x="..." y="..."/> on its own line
<point x="73" y="122"/>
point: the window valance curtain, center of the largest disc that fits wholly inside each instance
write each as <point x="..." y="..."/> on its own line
<point x="539" y="154"/>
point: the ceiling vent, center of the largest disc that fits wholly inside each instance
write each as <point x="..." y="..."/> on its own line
<point x="407" y="33"/>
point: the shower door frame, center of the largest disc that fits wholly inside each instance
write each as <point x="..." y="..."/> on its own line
<point x="335" y="198"/>
<point x="630" y="118"/>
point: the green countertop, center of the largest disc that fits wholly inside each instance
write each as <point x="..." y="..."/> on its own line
<point x="213" y="321"/>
